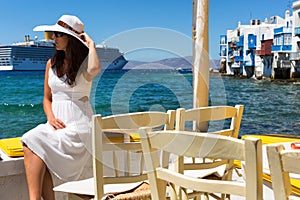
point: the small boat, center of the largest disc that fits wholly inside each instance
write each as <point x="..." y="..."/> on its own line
<point x="184" y="70"/>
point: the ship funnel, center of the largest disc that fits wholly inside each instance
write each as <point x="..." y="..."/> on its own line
<point x="48" y="35"/>
<point x="26" y="38"/>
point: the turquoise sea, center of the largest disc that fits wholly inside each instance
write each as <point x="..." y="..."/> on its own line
<point x="270" y="107"/>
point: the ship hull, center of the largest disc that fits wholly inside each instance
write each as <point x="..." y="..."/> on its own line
<point x="34" y="58"/>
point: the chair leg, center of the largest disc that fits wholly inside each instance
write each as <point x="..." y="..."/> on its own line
<point x="78" y="197"/>
<point x="205" y="196"/>
<point x="226" y="196"/>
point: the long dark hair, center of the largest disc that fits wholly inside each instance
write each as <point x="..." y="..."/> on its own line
<point x="75" y="54"/>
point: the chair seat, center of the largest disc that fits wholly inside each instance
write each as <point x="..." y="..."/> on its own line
<point x="86" y="187"/>
<point x="204" y="173"/>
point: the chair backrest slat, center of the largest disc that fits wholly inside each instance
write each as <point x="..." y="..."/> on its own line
<point x="211" y="113"/>
<point x="211" y="147"/>
<point x="134" y="120"/>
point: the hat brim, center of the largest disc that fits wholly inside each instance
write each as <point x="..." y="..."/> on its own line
<point x="58" y="28"/>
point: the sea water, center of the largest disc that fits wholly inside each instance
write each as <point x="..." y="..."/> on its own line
<point x="270" y="107"/>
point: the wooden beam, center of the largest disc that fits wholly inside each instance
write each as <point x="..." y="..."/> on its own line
<point x="200" y="56"/>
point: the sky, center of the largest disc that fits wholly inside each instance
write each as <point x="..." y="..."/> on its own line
<point x="142" y="30"/>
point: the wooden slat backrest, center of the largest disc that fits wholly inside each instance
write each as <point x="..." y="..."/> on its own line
<point x="122" y="124"/>
<point x="191" y="144"/>
<point x="212" y="113"/>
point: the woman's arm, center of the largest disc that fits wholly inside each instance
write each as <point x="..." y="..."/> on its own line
<point x="47" y="102"/>
<point x="93" y="66"/>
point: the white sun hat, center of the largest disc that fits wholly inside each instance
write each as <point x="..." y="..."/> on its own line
<point x="68" y="24"/>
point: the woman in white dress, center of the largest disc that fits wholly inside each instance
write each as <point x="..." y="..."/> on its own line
<point x="61" y="145"/>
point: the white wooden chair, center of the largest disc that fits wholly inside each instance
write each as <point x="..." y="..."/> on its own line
<point x="220" y="120"/>
<point x="193" y="144"/>
<point x="118" y="164"/>
<point x="282" y="162"/>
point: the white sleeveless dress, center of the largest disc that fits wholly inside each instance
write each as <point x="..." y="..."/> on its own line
<point x="65" y="151"/>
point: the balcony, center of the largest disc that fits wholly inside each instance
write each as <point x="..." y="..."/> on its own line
<point x="282" y="30"/>
<point x="295" y="56"/>
<point x="281" y="48"/>
<point x="266" y="48"/>
<point x="286" y="47"/>
<point x="297" y="31"/>
<point x="276" y="48"/>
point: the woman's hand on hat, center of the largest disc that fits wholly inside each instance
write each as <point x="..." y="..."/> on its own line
<point x="93" y="67"/>
<point x="86" y="38"/>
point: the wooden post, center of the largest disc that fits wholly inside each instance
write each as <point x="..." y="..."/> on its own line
<point x="200" y="57"/>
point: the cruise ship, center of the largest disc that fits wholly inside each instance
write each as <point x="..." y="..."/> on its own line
<point x="32" y="55"/>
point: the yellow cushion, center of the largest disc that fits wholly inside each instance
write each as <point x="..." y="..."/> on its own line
<point x="134" y="137"/>
<point x="12" y="146"/>
<point x="274" y="138"/>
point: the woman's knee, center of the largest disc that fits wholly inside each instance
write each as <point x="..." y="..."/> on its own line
<point x="28" y="153"/>
<point x="26" y="150"/>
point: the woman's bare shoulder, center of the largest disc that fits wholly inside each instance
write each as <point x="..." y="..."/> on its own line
<point x="49" y="64"/>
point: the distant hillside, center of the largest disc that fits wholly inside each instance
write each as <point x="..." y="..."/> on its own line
<point x="215" y="64"/>
<point x="183" y="63"/>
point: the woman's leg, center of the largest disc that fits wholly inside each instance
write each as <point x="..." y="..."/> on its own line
<point x="47" y="190"/>
<point x="35" y="169"/>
